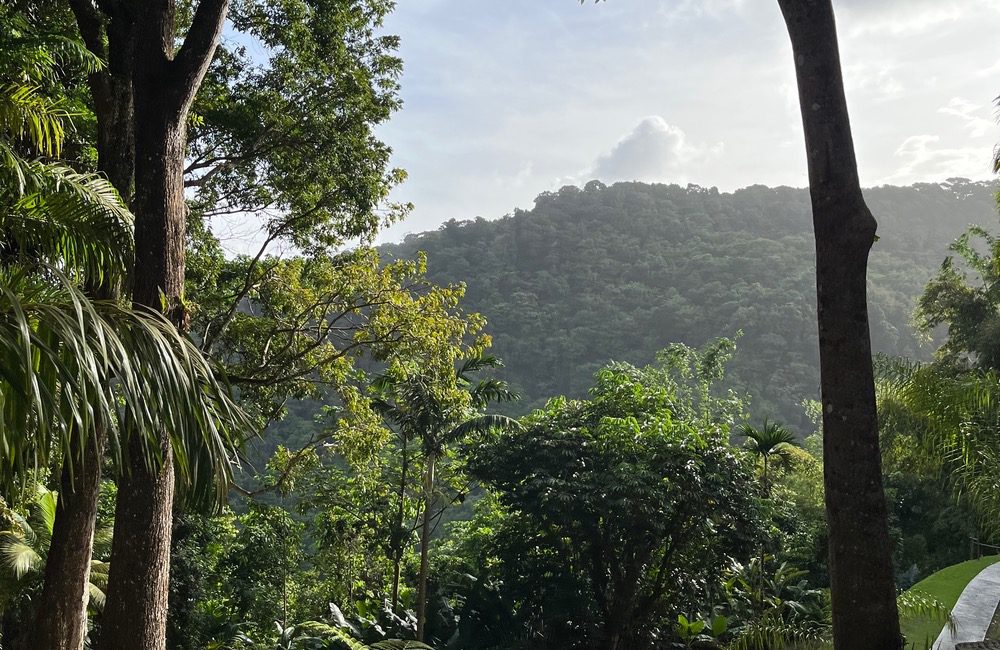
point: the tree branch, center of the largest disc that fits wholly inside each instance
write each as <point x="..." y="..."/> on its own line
<point x="91" y="26"/>
<point x="195" y="55"/>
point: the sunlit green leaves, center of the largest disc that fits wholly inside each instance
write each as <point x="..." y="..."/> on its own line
<point x="292" y="139"/>
<point x="310" y="327"/>
<point x="625" y="484"/>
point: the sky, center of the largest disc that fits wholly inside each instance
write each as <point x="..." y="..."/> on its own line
<point x="506" y="100"/>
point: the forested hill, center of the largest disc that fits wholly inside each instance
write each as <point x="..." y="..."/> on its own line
<point x="618" y="272"/>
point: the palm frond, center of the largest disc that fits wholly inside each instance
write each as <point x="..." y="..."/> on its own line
<point x="483" y="424"/>
<point x="39" y="56"/>
<point x="767" y="438"/>
<point x="19" y="557"/>
<point x="43" y="511"/>
<point x="67" y="362"/>
<point x="765" y="635"/>
<point x="916" y="604"/>
<point x="103" y="538"/>
<point x="477" y="363"/>
<point x="75" y="221"/>
<point x="492" y="390"/>
<point x="27" y="115"/>
<point x="97" y="597"/>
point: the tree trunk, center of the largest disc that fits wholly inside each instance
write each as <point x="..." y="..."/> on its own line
<point x="61" y="610"/>
<point x="400" y="514"/>
<point x="425" y="539"/>
<point x="862" y="587"/>
<point x="112" y="39"/>
<point x="136" y="611"/>
<point x="163" y="87"/>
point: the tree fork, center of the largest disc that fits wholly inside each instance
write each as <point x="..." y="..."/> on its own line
<point x="863" y="590"/>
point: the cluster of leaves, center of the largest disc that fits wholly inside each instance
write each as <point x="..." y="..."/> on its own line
<point x="315" y="327"/>
<point x="616" y="514"/>
<point x="291" y="141"/>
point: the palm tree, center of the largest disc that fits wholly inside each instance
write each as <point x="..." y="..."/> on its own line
<point x="951" y="418"/>
<point x="72" y="368"/>
<point x="771" y="442"/>
<point x="439" y="413"/>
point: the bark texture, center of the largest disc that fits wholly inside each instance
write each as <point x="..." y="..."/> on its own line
<point x="138" y="585"/>
<point x="111" y="37"/>
<point x="862" y="586"/>
<point x="61" y="616"/>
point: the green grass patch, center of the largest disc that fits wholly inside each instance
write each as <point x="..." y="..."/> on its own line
<point x="946" y="586"/>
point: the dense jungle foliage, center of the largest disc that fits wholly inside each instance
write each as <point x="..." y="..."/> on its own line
<point x="587" y="426"/>
<point x="600" y="273"/>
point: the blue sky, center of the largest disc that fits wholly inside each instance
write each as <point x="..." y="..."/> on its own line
<point x="504" y="100"/>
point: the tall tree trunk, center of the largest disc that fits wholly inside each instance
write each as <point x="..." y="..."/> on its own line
<point x="425" y="540"/>
<point x="162" y="88"/>
<point x="397" y="559"/>
<point x="112" y="38"/>
<point x="61" y="609"/>
<point x="862" y="587"/>
<point x="136" y="611"/>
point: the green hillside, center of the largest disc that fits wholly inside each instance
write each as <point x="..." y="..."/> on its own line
<point x="617" y="272"/>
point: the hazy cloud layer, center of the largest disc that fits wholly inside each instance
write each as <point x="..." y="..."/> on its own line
<point x="974" y="116"/>
<point x="503" y="101"/>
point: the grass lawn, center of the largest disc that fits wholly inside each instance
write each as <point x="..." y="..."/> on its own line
<point x="946" y="585"/>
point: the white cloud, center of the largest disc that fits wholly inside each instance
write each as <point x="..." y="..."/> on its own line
<point x="654" y="151"/>
<point x="520" y="178"/>
<point x="971" y="113"/>
<point x="924" y="160"/>
<point x="692" y="9"/>
<point x="990" y="71"/>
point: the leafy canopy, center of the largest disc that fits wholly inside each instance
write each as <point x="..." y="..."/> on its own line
<point x="622" y="510"/>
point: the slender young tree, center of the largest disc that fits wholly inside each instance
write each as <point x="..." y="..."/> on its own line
<point x="424" y="410"/>
<point x="771" y="442"/>
<point x="863" y="591"/>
